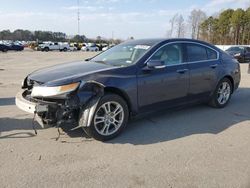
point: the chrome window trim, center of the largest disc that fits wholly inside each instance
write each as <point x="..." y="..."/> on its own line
<point x="186" y="62"/>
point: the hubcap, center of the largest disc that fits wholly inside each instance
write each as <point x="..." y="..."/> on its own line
<point x="224" y="93"/>
<point x="108" y="118"/>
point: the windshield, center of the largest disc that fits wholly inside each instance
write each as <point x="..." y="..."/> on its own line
<point x="235" y="49"/>
<point x="122" y="55"/>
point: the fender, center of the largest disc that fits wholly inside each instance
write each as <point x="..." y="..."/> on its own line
<point x="88" y="109"/>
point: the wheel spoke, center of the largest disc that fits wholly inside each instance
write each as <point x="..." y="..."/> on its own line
<point x="220" y="99"/>
<point x="116" y="123"/>
<point x="117" y="111"/>
<point x="224" y="86"/>
<point x="106" y="107"/>
<point x="99" y="119"/>
<point x="105" y="129"/>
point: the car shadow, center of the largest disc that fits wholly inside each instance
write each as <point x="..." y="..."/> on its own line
<point x="170" y="125"/>
<point x="160" y="126"/>
<point x="7" y="101"/>
<point x="22" y="126"/>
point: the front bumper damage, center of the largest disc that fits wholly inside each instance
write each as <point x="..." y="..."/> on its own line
<point x="76" y="109"/>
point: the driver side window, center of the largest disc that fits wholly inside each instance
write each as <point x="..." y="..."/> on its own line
<point x="170" y="54"/>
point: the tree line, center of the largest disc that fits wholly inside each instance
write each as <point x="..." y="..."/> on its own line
<point x="26" y="35"/>
<point x="228" y="27"/>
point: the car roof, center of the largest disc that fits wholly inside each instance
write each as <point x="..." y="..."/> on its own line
<point x="152" y="42"/>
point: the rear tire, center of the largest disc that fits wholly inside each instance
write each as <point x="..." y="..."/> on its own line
<point x="222" y="94"/>
<point x="110" y="118"/>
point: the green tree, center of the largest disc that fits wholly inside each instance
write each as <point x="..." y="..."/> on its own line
<point x="5" y="35"/>
<point x="79" y="38"/>
<point x="238" y="24"/>
<point x="224" y="24"/>
<point x="247" y="27"/>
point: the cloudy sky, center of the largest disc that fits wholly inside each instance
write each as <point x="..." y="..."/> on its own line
<point x="138" y="18"/>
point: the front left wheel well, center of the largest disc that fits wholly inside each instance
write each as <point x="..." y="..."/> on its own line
<point x="120" y="93"/>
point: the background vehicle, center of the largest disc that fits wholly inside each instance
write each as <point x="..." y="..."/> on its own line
<point x="241" y="53"/>
<point x="72" y="48"/>
<point x="108" y="47"/>
<point x="4" y="48"/>
<point x="100" y="94"/>
<point x="90" y="47"/>
<point x="50" y="46"/>
<point x="15" y="46"/>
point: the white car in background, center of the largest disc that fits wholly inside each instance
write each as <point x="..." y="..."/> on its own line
<point x="108" y="47"/>
<point x="72" y="48"/>
<point x="50" y="46"/>
<point x="90" y="48"/>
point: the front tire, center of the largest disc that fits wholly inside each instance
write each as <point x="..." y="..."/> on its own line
<point x="222" y="94"/>
<point x="110" y="118"/>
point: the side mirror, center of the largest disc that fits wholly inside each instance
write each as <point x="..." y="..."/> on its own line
<point x="155" y="64"/>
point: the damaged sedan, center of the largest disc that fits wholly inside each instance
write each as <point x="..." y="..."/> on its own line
<point x="100" y="94"/>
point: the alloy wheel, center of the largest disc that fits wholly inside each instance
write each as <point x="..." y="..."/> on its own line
<point x="224" y="93"/>
<point x="108" y="118"/>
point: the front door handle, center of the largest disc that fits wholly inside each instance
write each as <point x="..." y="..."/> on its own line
<point x="214" y="66"/>
<point x="182" y="71"/>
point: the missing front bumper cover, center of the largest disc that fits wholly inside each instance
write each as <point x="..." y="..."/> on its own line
<point x="78" y="109"/>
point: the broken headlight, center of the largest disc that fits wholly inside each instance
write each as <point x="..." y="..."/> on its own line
<point x="43" y="91"/>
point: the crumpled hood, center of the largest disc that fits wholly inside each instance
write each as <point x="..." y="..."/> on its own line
<point x="67" y="71"/>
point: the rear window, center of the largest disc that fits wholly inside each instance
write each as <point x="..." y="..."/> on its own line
<point x="197" y="52"/>
<point x="211" y="54"/>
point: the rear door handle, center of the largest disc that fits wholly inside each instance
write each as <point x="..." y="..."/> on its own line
<point x="182" y="71"/>
<point x="214" y="66"/>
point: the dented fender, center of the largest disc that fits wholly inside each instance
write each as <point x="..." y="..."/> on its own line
<point x="87" y="109"/>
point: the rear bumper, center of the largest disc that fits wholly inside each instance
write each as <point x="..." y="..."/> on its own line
<point x="24" y="104"/>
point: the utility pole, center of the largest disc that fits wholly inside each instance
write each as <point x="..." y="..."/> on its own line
<point x="112" y="37"/>
<point x="78" y="17"/>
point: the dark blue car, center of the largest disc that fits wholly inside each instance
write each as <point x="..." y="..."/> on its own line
<point x="4" y="48"/>
<point x="100" y="94"/>
<point x="15" y="47"/>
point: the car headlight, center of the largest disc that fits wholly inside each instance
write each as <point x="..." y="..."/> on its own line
<point x="238" y="54"/>
<point x="43" y="91"/>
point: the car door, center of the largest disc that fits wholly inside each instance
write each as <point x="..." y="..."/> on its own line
<point x="204" y="66"/>
<point x="51" y="46"/>
<point x="167" y="84"/>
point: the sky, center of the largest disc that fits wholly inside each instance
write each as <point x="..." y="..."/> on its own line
<point x="123" y="18"/>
